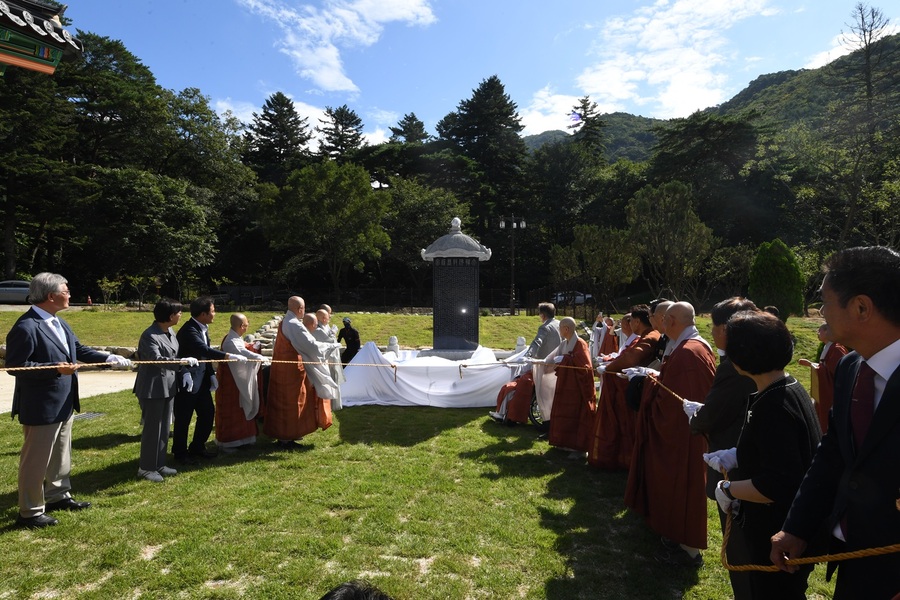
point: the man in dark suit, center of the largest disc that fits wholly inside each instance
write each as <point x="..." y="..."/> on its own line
<point x="852" y="488"/>
<point x="45" y="399"/>
<point x="195" y="390"/>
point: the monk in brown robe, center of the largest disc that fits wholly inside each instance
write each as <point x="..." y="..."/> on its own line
<point x="291" y="410"/>
<point x="571" y="417"/>
<point x="823" y="372"/>
<point x="614" y="422"/>
<point x="666" y="482"/>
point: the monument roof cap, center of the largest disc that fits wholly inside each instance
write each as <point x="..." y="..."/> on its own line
<point x="456" y="244"/>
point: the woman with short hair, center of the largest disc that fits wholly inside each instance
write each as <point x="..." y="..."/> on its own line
<point x="774" y="450"/>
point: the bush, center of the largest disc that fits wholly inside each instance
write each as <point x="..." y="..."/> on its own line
<point x="776" y="280"/>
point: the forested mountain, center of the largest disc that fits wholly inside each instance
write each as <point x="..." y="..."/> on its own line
<point x="130" y="188"/>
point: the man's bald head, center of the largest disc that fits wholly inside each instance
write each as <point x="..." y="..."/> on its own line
<point x="239" y="322"/>
<point x="296" y="305"/>
<point x="323" y="316"/>
<point x="679" y="317"/>
<point x="658" y="317"/>
<point x="310" y="322"/>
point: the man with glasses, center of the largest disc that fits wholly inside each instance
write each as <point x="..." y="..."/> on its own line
<point x="45" y="399"/>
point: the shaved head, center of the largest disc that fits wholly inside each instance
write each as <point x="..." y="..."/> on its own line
<point x="309" y="320"/>
<point x="323" y="316"/>
<point x="238" y="320"/>
<point x="296" y="305"/>
<point x="679" y="317"/>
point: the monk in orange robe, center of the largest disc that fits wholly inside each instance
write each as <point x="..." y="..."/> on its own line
<point x="292" y="407"/>
<point x="666" y="482"/>
<point x="612" y="438"/>
<point x="571" y="417"/>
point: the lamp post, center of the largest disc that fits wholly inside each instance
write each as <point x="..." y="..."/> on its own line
<point x="514" y="223"/>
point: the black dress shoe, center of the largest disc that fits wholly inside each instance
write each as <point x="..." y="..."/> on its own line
<point x="35" y="522"/>
<point x="186" y="460"/>
<point x="66" y="504"/>
<point x="202" y="453"/>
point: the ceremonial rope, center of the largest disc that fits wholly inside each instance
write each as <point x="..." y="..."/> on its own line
<point x="806" y="560"/>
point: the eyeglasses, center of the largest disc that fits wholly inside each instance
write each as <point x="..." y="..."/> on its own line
<point x="66" y="293"/>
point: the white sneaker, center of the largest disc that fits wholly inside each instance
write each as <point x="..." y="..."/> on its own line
<point x="150" y="476"/>
<point x="167" y="471"/>
<point x="495" y="415"/>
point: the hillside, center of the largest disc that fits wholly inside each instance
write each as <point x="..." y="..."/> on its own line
<point x="784" y="98"/>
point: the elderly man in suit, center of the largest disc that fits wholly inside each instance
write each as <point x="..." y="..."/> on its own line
<point x="547" y="338"/>
<point x="852" y="487"/>
<point x="45" y="399"/>
<point x="196" y="394"/>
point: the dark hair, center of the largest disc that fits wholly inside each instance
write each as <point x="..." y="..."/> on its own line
<point x="355" y="590"/>
<point x="641" y="312"/>
<point x="722" y="311"/>
<point x="772" y="310"/>
<point x="201" y="305"/>
<point x="165" y="308"/>
<point x="758" y="342"/>
<point x="547" y="308"/>
<point x="872" y="271"/>
<point x="657" y="302"/>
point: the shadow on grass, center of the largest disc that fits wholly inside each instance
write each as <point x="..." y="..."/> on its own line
<point x="398" y="425"/>
<point x="100" y="442"/>
<point x="609" y="551"/>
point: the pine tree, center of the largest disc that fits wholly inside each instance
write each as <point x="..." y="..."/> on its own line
<point x="410" y="130"/>
<point x="588" y="127"/>
<point x="342" y="131"/>
<point x="276" y="141"/>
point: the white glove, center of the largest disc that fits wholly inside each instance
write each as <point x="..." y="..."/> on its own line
<point x="725" y="503"/>
<point x="558" y="359"/>
<point x="266" y="361"/>
<point x="187" y="382"/>
<point x="213" y="383"/>
<point x="190" y="361"/>
<point x="722" y="459"/>
<point x="335" y="346"/>
<point x="633" y="372"/>
<point x="601" y="369"/>
<point x="120" y="361"/>
<point x="691" y="408"/>
<point x="238" y="357"/>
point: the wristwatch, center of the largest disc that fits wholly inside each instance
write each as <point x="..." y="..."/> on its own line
<point x="726" y="487"/>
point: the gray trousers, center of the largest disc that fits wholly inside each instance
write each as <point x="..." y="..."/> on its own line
<point x="44" y="466"/>
<point x="155" y="435"/>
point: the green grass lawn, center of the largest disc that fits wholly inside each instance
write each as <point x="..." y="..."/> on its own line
<point x="423" y="502"/>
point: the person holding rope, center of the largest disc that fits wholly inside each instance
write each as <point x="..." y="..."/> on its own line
<point x="774" y="450"/>
<point x="667" y="475"/>
<point x="46" y="398"/>
<point x="193" y="342"/>
<point x="571" y="417"/>
<point x="155" y="387"/>
<point x="853" y="484"/>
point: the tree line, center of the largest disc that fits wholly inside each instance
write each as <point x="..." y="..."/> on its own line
<point x="114" y="181"/>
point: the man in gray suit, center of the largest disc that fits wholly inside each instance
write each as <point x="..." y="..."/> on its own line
<point x="45" y="399"/>
<point x="547" y="338"/>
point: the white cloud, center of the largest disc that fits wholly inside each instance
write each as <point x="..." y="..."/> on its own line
<point x="379" y="136"/>
<point x="669" y="57"/>
<point x="550" y="111"/>
<point x="313" y="36"/>
<point x="841" y="45"/>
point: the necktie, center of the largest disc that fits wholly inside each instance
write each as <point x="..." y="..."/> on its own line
<point x="862" y="406"/>
<point x="57" y="327"/>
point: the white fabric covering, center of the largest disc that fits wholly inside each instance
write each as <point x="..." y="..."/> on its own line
<point x="426" y="381"/>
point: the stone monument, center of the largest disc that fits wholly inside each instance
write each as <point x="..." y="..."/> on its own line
<point x="456" y="259"/>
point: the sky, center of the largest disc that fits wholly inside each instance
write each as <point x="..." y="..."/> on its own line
<point x="387" y="58"/>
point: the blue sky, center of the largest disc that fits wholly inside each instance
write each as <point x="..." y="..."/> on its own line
<point x="386" y="58"/>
